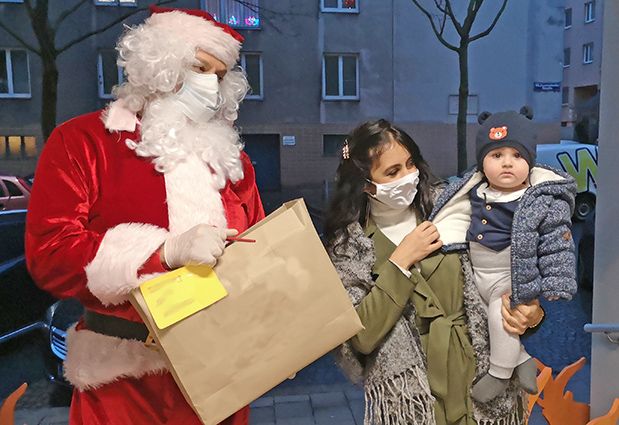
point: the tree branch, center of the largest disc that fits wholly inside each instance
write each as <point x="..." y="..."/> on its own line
<point x="471" y="13"/>
<point x="28" y="7"/>
<point x="438" y="34"/>
<point x="106" y="27"/>
<point x="492" y="25"/>
<point x="257" y="8"/>
<point x="443" y="23"/>
<point x="439" y="7"/>
<point x="64" y="15"/>
<point x="19" y="39"/>
<point x="452" y="16"/>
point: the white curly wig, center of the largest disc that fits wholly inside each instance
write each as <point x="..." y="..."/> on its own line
<point x="156" y="57"/>
<point x="157" y="54"/>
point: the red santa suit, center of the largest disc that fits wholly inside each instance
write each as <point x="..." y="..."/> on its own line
<point x="97" y="217"/>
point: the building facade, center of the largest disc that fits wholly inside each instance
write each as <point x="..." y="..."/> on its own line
<point x="317" y="69"/>
<point x="582" y="65"/>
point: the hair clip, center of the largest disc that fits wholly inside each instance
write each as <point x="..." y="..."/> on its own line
<point x="346" y="150"/>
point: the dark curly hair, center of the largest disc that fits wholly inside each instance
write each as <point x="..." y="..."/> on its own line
<point x="349" y="202"/>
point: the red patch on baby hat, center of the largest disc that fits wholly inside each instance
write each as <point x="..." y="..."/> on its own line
<point x="498" y="133"/>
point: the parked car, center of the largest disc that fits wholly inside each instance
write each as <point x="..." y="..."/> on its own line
<point x="24" y="308"/>
<point x="14" y="193"/>
<point x="581" y="162"/>
<point x="12" y="226"/>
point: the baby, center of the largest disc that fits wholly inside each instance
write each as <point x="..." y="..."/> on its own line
<point x="515" y="218"/>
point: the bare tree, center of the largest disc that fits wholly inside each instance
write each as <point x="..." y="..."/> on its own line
<point x="45" y="31"/>
<point x="443" y="12"/>
<point x="48" y="50"/>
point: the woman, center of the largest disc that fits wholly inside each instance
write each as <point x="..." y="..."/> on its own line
<point x="425" y="337"/>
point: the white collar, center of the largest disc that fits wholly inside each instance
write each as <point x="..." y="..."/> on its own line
<point x="494" y="195"/>
<point x="118" y="117"/>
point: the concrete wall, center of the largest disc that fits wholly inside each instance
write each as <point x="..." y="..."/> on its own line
<point x="405" y="74"/>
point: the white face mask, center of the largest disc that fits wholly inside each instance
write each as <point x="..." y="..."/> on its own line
<point x="199" y="96"/>
<point x="398" y="194"/>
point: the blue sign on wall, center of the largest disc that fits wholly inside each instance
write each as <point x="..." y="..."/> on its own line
<point x="543" y="86"/>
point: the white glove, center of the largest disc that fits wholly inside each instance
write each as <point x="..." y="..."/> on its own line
<point x="202" y="244"/>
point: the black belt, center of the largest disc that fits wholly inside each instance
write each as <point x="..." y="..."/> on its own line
<point x="115" y="326"/>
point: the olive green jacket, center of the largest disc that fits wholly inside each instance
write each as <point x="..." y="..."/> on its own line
<point x="436" y="292"/>
<point x="430" y="328"/>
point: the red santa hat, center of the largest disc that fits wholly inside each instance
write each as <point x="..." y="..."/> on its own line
<point x="199" y="29"/>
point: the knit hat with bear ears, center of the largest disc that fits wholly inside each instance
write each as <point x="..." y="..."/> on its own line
<point x="506" y="129"/>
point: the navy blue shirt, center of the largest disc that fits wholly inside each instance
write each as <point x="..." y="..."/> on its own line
<point x="491" y="222"/>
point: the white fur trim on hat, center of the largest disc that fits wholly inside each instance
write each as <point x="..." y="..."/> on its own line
<point x="197" y="33"/>
<point x="113" y="273"/>
<point x="94" y="359"/>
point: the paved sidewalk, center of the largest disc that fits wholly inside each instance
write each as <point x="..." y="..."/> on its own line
<point x="338" y="404"/>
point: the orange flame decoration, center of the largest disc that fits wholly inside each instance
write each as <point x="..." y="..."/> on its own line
<point x="558" y="406"/>
<point x="7" y="410"/>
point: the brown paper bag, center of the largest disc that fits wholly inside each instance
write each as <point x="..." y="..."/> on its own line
<point x="286" y="308"/>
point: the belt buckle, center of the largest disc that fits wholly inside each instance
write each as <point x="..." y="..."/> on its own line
<point x="151" y="343"/>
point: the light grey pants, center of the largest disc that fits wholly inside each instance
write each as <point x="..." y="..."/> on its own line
<point x="492" y="272"/>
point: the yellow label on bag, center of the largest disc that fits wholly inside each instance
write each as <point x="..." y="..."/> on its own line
<point x="178" y="294"/>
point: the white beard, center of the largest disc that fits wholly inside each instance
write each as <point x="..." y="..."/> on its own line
<point x="170" y="138"/>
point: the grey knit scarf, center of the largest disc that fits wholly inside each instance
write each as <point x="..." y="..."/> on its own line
<point x="394" y="375"/>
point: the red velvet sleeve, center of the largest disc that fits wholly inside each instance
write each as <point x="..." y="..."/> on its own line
<point x="58" y="242"/>
<point x="65" y="256"/>
<point x="247" y="191"/>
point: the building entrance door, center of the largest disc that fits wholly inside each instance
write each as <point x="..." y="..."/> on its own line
<point x="263" y="149"/>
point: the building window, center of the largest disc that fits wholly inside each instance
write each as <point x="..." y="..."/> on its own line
<point x="473" y="105"/>
<point x="340" y="77"/>
<point x="18" y="147"/>
<point x="12" y="188"/>
<point x="587" y="53"/>
<point x="565" y="95"/>
<point x="340" y="6"/>
<point x="131" y="3"/>
<point x="109" y="74"/>
<point x="252" y="64"/>
<point x="568" y="17"/>
<point x="590" y="11"/>
<point x="238" y="14"/>
<point x="14" y="73"/>
<point x="567" y="57"/>
<point x="332" y="144"/>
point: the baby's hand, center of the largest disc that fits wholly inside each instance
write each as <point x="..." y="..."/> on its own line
<point x="553" y="298"/>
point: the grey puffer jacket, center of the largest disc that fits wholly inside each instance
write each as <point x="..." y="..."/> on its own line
<point x="542" y="249"/>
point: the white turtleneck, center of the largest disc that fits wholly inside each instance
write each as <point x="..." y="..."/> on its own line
<point x="493" y="195"/>
<point x="395" y="224"/>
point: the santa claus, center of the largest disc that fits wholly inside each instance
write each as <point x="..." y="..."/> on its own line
<point x="156" y="181"/>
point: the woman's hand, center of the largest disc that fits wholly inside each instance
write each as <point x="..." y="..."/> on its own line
<point x="417" y="245"/>
<point x="522" y="317"/>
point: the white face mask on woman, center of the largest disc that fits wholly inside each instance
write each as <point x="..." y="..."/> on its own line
<point x="199" y="96"/>
<point x="398" y="194"/>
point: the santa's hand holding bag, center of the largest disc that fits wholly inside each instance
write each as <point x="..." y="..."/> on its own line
<point x="157" y="180"/>
<point x="200" y="245"/>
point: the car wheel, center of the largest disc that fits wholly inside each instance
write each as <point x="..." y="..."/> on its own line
<point x="585" y="205"/>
